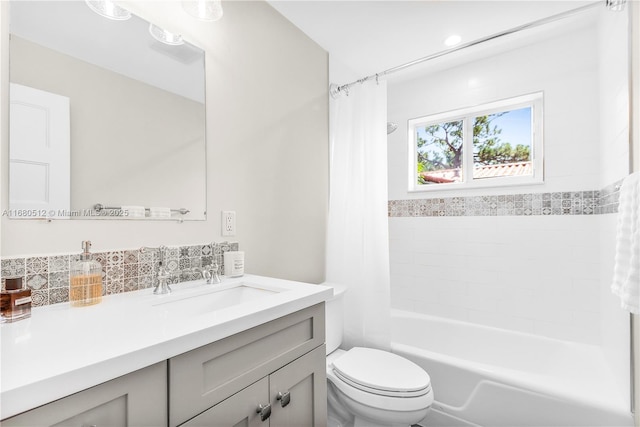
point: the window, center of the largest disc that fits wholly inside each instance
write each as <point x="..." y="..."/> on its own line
<point x="494" y="144"/>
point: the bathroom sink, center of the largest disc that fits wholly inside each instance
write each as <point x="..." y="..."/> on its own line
<point x="197" y="303"/>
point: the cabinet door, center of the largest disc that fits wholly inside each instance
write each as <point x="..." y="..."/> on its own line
<point x="239" y="410"/>
<point x="204" y="377"/>
<point x="305" y="381"/>
<point x="138" y="399"/>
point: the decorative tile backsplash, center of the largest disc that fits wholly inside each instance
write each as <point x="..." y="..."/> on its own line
<point x="524" y="204"/>
<point x="609" y="198"/>
<point x="122" y="270"/>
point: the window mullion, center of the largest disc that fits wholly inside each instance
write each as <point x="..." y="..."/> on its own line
<point x="467" y="150"/>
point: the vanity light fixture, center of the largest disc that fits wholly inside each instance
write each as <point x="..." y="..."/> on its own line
<point x="108" y="9"/>
<point x="205" y="10"/>
<point x="165" y="36"/>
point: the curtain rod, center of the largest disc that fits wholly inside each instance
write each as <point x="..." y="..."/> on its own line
<point x="335" y="90"/>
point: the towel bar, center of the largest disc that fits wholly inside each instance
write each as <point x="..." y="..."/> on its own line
<point x="99" y="207"/>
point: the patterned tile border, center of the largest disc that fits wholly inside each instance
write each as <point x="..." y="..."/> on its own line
<point x="122" y="271"/>
<point x="609" y="198"/>
<point x="525" y="204"/>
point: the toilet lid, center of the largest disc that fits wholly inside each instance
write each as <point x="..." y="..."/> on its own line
<point x="383" y="372"/>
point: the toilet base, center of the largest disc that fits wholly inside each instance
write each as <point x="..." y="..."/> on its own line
<point x="367" y="416"/>
<point x="338" y="415"/>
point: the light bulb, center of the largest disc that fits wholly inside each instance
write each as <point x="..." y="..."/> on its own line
<point x="108" y="9"/>
<point x="165" y="36"/>
<point x="205" y="10"/>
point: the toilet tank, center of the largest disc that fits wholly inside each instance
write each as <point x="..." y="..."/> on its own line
<point x="334" y="318"/>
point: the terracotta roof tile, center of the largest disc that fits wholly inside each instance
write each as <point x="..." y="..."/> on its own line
<point x="506" y="169"/>
<point x="479" y="172"/>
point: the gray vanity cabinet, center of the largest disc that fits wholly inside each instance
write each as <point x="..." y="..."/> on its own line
<point x="279" y="365"/>
<point x="293" y="396"/>
<point x="305" y="381"/>
<point x="286" y="354"/>
<point x="138" y="399"/>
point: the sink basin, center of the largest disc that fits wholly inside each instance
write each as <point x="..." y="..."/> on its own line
<point x="200" y="302"/>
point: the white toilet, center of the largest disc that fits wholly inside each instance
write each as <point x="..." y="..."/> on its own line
<point x="368" y="387"/>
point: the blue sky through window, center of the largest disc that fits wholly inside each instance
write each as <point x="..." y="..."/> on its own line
<point x="516" y="127"/>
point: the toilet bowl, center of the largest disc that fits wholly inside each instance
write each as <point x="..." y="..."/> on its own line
<point x="370" y="387"/>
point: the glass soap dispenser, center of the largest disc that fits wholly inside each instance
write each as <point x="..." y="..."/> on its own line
<point x="85" y="279"/>
<point x="15" y="301"/>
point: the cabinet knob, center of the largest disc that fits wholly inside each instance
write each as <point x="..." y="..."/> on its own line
<point x="264" y="411"/>
<point x="284" y="398"/>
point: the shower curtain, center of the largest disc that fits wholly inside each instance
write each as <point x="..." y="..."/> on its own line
<point x="358" y="241"/>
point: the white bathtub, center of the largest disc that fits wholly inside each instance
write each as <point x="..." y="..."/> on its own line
<point x="492" y="377"/>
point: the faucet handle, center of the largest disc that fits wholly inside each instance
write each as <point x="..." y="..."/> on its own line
<point x="210" y="273"/>
<point x="162" y="276"/>
<point x="215" y="274"/>
<point x="162" y="287"/>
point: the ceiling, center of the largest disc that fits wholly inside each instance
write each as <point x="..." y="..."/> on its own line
<point x="367" y="37"/>
<point x="363" y="37"/>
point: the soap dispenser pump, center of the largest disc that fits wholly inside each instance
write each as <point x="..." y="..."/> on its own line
<point x="85" y="279"/>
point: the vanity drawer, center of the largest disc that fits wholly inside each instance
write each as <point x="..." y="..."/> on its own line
<point x="207" y="375"/>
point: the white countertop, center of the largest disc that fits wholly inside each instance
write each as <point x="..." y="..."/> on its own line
<point x="61" y="349"/>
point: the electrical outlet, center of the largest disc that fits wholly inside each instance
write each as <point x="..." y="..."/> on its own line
<point x="228" y="223"/>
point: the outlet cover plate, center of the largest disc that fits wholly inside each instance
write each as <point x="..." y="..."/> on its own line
<point x="228" y="223"/>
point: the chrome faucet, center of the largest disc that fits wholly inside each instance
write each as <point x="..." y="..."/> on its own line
<point x="162" y="277"/>
<point x="215" y="273"/>
<point x="206" y="274"/>
<point x="211" y="275"/>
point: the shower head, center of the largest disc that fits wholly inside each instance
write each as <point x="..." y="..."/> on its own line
<point x="391" y="127"/>
<point x="616" y="5"/>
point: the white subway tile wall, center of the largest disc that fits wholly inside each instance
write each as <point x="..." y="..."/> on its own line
<point x="529" y="258"/>
<point x="537" y="274"/>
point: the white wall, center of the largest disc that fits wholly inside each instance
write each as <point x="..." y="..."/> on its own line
<point x="267" y="147"/>
<point x="530" y="274"/>
<point x="539" y="274"/>
<point x="564" y="68"/>
<point x="614" y="165"/>
<point x="613" y="80"/>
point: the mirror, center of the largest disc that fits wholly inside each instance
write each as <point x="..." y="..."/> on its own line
<point x="102" y="112"/>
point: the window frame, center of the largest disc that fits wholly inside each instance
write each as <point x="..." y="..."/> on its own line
<point x="467" y="115"/>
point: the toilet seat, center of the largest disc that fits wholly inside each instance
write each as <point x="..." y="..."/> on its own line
<point x="375" y="393"/>
<point x="383" y="373"/>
